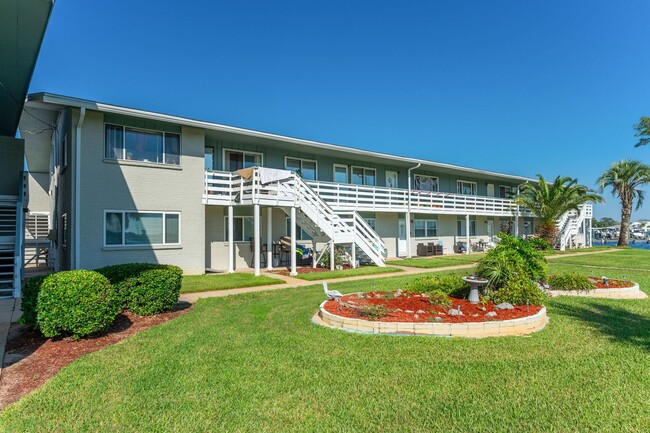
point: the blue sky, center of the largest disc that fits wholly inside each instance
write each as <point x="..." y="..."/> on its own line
<point x="520" y="87"/>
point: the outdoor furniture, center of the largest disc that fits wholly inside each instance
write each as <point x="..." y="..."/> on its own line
<point x="263" y="251"/>
<point x="460" y="247"/>
<point x="285" y="250"/>
<point x="430" y="249"/>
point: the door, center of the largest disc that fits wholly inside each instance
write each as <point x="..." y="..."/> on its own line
<point x="391" y="179"/>
<point x="401" y="237"/>
<point x="490" y="190"/>
<point x="490" y="230"/>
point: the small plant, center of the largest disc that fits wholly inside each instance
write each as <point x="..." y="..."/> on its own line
<point x="539" y="244"/>
<point x="439" y="298"/>
<point x="519" y="291"/>
<point x="452" y="285"/>
<point x="339" y="258"/>
<point x="374" y="312"/>
<point x="77" y="302"/>
<point x="570" y="282"/>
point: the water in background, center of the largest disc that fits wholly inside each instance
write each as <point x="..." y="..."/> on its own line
<point x="638" y="244"/>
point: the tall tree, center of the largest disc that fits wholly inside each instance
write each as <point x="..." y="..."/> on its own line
<point x="642" y="131"/>
<point x="549" y="202"/>
<point x="626" y="179"/>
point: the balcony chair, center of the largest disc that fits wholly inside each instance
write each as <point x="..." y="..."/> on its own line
<point x="263" y="251"/>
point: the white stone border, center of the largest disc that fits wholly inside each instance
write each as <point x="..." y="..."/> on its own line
<point x="633" y="292"/>
<point x="494" y="328"/>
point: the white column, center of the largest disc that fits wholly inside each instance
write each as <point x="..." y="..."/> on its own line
<point x="269" y="238"/>
<point x="467" y="233"/>
<point x="408" y="235"/>
<point x="584" y="232"/>
<point x="256" y="238"/>
<point x="332" y="256"/>
<point x="354" y="255"/>
<point x="231" y="244"/>
<point x="293" y="242"/>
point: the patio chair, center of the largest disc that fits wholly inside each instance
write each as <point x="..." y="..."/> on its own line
<point x="263" y="251"/>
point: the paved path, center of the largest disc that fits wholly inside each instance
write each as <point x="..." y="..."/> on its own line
<point x="9" y="313"/>
<point x="296" y="282"/>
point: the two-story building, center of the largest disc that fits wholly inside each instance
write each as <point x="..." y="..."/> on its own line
<point x="116" y="184"/>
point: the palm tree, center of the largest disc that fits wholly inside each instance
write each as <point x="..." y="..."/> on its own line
<point x="626" y="178"/>
<point x="549" y="201"/>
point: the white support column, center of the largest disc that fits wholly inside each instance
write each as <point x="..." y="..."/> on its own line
<point x="591" y="234"/>
<point x="408" y="234"/>
<point x="354" y="255"/>
<point x="467" y="233"/>
<point x="256" y="238"/>
<point x="269" y="238"/>
<point x="313" y="248"/>
<point x="332" y="256"/>
<point x="231" y="244"/>
<point x="292" y="253"/>
<point x="584" y="232"/>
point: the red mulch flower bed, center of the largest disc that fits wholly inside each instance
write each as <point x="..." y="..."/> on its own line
<point x="31" y="359"/>
<point x="307" y="270"/>
<point x="415" y="307"/>
<point x="613" y="284"/>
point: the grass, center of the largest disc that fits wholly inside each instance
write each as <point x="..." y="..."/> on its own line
<point x="438" y="261"/>
<point x="207" y="282"/>
<point x="255" y="362"/>
<point x="577" y="250"/>
<point x="626" y="258"/>
<point x="364" y="270"/>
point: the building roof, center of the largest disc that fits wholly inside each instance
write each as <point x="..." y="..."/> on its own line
<point x="60" y="100"/>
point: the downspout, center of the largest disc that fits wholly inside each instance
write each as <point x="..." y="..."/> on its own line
<point x="77" y="187"/>
<point x="408" y="211"/>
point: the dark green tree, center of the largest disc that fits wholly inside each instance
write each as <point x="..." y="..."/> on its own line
<point x="642" y="131"/>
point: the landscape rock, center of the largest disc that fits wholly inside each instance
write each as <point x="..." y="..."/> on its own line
<point x="504" y="306"/>
<point x="420" y="311"/>
<point x="491" y="314"/>
<point x="415" y="316"/>
<point x="455" y="312"/>
<point x="482" y="308"/>
<point x="409" y="311"/>
<point x="437" y="319"/>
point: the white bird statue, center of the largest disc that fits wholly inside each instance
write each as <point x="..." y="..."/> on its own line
<point x="332" y="294"/>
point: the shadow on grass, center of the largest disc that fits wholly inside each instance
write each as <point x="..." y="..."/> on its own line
<point x="617" y="323"/>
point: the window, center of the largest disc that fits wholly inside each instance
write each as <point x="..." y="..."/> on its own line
<point x="372" y="222"/>
<point x="209" y="158"/>
<point x="364" y="176"/>
<point x="466" y="188"/>
<point x="462" y="227"/>
<point x="141" y="228"/>
<point x="340" y="173"/>
<point x="126" y="143"/>
<point x="426" y="228"/>
<point x="306" y="167"/>
<point x="300" y="233"/>
<point x="391" y="179"/>
<point x="505" y="191"/>
<point x="243" y="228"/>
<point x="234" y="160"/>
<point x="425" y="183"/>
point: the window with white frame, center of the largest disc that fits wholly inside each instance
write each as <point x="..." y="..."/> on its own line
<point x="208" y="159"/>
<point x="341" y="173"/>
<point x="305" y="167"/>
<point x="364" y="176"/>
<point x="243" y="228"/>
<point x="372" y="222"/>
<point x="505" y="191"/>
<point x="126" y="143"/>
<point x="141" y="228"/>
<point x="462" y="227"/>
<point x="425" y="183"/>
<point x="234" y="160"/>
<point x="300" y="233"/>
<point x="426" y="228"/>
<point x="466" y="188"/>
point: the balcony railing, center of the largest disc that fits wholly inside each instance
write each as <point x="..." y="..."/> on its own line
<point x="228" y="188"/>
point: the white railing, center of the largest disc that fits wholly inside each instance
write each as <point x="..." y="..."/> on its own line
<point x="229" y="188"/>
<point x="569" y="224"/>
<point x="19" y="245"/>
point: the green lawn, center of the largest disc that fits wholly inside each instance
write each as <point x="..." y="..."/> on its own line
<point x="627" y="258"/>
<point x="577" y="250"/>
<point x="207" y="282"/>
<point x="364" y="270"/>
<point x="438" y="261"/>
<point x="255" y="362"/>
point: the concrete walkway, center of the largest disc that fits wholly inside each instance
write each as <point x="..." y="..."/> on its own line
<point x="9" y="313"/>
<point x="296" y="282"/>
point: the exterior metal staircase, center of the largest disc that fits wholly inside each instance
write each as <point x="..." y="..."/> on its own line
<point x="569" y="226"/>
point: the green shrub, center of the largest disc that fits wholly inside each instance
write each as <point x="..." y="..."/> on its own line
<point x="76" y="302"/>
<point x="570" y="282"/>
<point x="512" y="258"/>
<point x="518" y="291"/>
<point x="145" y="288"/>
<point x="374" y="312"/>
<point x="539" y="244"/>
<point x="439" y="298"/>
<point x="29" y="301"/>
<point x="452" y="285"/>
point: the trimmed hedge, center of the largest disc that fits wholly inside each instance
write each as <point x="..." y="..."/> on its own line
<point x="144" y="288"/>
<point x="29" y="302"/>
<point x="570" y="282"/>
<point x="76" y="302"/>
